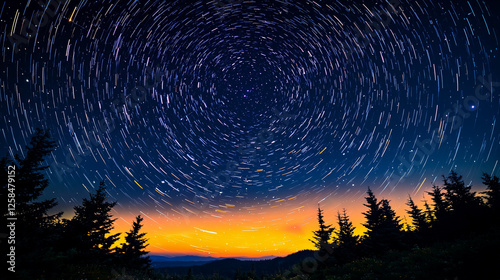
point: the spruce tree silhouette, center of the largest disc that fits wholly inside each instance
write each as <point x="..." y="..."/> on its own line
<point x="321" y="238"/>
<point x="35" y="227"/>
<point x="373" y="221"/>
<point x="459" y="237"/>
<point x="345" y="234"/>
<point x="459" y="196"/>
<point x="346" y="241"/>
<point x="492" y="193"/>
<point x="457" y="209"/>
<point x="383" y="226"/>
<point x="30" y="181"/>
<point x="419" y="219"/>
<point x="440" y="206"/>
<point x="132" y="253"/>
<point x="89" y="230"/>
<point x="391" y="227"/>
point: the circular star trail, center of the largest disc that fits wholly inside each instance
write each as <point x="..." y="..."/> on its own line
<point x="192" y="106"/>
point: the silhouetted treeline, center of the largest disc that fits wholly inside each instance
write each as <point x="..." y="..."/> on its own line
<point x="455" y="218"/>
<point x="48" y="247"/>
<point x="455" y="235"/>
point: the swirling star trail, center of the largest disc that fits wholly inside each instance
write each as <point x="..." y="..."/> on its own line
<point x="224" y="123"/>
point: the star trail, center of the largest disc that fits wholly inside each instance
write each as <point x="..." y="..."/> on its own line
<point x="238" y="116"/>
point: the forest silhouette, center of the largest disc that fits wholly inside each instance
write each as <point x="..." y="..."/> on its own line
<point x="456" y="235"/>
<point x="49" y="247"/>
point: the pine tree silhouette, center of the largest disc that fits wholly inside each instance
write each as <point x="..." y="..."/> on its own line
<point x="345" y="234"/>
<point x="321" y="238"/>
<point x="492" y="192"/>
<point x="132" y="253"/>
<point x="383" y="226"/>
<point x="457" y="209"/>
<point x="391" y="227"/>
<point x="30" y="182"/>
<point x="374" y="214"/>
<point x="346" y="241"/>
<point x="35" y="227"/>
<point x="458" y="195"/>
<point x="439" y="204"/>
<point x="90" y="228"/>
<point x="419" y="219"/>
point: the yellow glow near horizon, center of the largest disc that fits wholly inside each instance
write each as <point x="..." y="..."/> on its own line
<point x="276" y="229"/>
<point x="234" y="234"/>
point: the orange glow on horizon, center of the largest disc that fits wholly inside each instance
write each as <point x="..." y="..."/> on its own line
<point x="278" y="228"/>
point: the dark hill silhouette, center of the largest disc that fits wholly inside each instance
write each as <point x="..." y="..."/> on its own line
<point x="179" y="264"/>
<point x="187" y="261"/>
<point x="186" y="258"/>
<point x="229" y="267"/>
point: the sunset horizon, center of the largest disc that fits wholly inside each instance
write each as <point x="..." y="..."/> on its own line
<point x="265" y="227"/>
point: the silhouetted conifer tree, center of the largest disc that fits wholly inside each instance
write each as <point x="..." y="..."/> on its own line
<point x="492" y="192"/>
<point x="373" y="221"/>
<point x="321" y="238"/>
<point x="391" y="226"/>
<point x="439" y="204"/>
<point x="132" y="253"/>
<point x="458" y="195"/>
<point x="457" y="209"/>
<point x="346" y="241"/>
<point x="383" y="226"/>
<point x="35" y="226"/>
<point x="345" y="234"/>
<point x="374" y="214"/>
<point x="30" y="182"/>
<point x="418" y="216"/>
<point x="90" y="229"/>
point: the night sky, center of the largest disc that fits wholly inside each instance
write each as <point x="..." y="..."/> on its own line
<point x="225" y="123"/>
